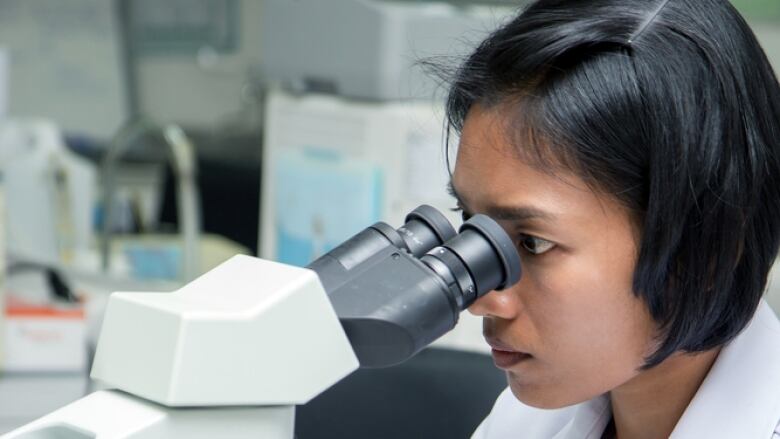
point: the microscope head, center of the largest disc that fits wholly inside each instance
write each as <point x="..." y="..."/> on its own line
<point x="249" y="332"/>
<point x="255" y="332"/>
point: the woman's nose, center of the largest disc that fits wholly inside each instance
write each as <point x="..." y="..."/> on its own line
<point x="502" y="304"/>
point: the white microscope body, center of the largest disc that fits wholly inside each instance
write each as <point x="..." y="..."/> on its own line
<point x="230" y="354"/>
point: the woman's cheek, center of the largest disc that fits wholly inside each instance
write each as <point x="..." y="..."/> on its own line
<point x="577" y="307"/>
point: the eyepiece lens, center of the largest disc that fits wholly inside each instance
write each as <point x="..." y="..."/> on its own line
<point x="425" y="229"/>
<point x="502" y="245"/>
<point x="481" y="258"/>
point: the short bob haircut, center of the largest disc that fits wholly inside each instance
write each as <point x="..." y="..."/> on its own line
<point x="672" y="108"/>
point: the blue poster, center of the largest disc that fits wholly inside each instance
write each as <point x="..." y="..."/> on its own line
<point x="322" y="198"/>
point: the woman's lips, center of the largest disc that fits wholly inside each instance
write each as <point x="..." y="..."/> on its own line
<point x="504" y="356"/>
<point x="508" y="359"/>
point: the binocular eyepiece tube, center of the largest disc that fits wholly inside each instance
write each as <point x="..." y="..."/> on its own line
<point x="397" y="290"/>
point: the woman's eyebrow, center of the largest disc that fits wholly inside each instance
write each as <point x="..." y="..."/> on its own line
<point x="505" y="213"/>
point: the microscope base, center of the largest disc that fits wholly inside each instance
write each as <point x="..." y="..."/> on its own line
<point x="110" y="414"/>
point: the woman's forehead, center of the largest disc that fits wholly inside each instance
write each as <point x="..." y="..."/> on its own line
<point x="490" y="153"/>
<point x="489" y="174"/>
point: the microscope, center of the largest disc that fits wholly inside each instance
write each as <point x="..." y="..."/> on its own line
<point x="232" y="353"/>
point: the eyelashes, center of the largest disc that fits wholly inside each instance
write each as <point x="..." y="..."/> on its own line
<point x="465" y="216"/>
<point x="530" y="244"/>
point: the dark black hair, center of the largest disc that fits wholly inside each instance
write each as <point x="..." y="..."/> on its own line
<point x="673" y="108"/>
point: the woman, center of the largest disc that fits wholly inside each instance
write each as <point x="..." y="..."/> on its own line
<point x="632" y="148"/>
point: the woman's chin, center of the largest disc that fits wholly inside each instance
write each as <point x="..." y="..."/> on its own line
<point x="540" y="396"/>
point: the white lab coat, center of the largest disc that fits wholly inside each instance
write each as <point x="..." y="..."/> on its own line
<point x="739" y="398"/>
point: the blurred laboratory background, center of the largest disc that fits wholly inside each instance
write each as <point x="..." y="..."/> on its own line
<point x="143" y="142"/>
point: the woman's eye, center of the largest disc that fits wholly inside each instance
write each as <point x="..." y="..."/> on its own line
<point x="534" y="245"/>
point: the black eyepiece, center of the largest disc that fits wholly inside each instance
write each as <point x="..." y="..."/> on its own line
<point x="481" y="258"/>
<point x="425" y="229"/>
<point x="396" y="291"/>
<point x="501" y="244"/>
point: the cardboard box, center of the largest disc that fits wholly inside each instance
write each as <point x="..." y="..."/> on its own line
<point x="44" y="339"/>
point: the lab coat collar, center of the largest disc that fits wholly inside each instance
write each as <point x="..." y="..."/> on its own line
<point x="739" y="398"/>
<point x="741" y="395"/>
<point x="589" y="421"/>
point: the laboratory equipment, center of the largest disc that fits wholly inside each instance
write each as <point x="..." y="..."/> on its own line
<point x="357" y="120"/>
<point x="368" y="49"/>
<point x="379" y="159"/>
<point x="354" y="114"/>
<point x="49" y="194"/>
<point x="182" y="157"/>
<point x="230" y="354"/>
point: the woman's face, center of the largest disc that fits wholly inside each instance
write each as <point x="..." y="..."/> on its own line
<point x="571" y="329"/>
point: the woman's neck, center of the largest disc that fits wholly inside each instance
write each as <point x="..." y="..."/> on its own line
<point x="649" y="405"/>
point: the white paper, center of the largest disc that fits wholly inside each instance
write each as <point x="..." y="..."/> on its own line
<point x="4" y="82"/>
